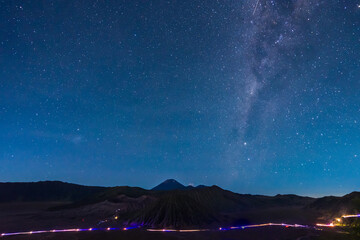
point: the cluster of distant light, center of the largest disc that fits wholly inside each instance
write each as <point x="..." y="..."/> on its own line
<point x="338" y="220"/>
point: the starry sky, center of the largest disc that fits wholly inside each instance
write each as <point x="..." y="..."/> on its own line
<point x="256" y="96"/>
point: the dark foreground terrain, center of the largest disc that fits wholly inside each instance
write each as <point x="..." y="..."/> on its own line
<point x="268" y="233"/>
<point x="57" y="205"/>
<point x="35" y="216"/>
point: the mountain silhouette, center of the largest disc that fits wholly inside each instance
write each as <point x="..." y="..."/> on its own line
<point x="170" y="184"/>
<point x="171" y="204"/>
<point x="45" y="191"/>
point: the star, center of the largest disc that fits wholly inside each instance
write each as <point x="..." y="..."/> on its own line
<point x="265" y="85"/>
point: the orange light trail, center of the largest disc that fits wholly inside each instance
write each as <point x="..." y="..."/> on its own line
<point x="325" y="225"/>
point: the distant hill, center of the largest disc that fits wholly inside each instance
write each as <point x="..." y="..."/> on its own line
<point x="331" y="206"/>
<point x="171" y="204"/>
<point x="45" y="191"/>
<point x="170" y="184"/>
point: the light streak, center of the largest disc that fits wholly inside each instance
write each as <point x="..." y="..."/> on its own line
<point x="325" y="225"/>
<point x="150" y="230"/>
<point x="351" y="216"/>
<point x="57" y="231"/>
<point x="257" y="3"/>
<point x="177" y="230"/>
<point x="231" y="228"/>
<point x="265" y="225"/>
<point x="338" y="220"/>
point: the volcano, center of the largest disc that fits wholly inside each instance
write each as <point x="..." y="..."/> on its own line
<point x="170" y="184"/>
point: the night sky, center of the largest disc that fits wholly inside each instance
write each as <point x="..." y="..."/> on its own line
<point x="254" y="96"/>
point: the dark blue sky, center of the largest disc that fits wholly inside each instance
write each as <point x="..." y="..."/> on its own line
<point x="256" y="98"/>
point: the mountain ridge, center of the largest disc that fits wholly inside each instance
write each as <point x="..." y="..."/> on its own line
<point x="181" y="206"/>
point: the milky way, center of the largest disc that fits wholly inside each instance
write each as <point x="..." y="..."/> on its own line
<point x="276" y="44"/>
